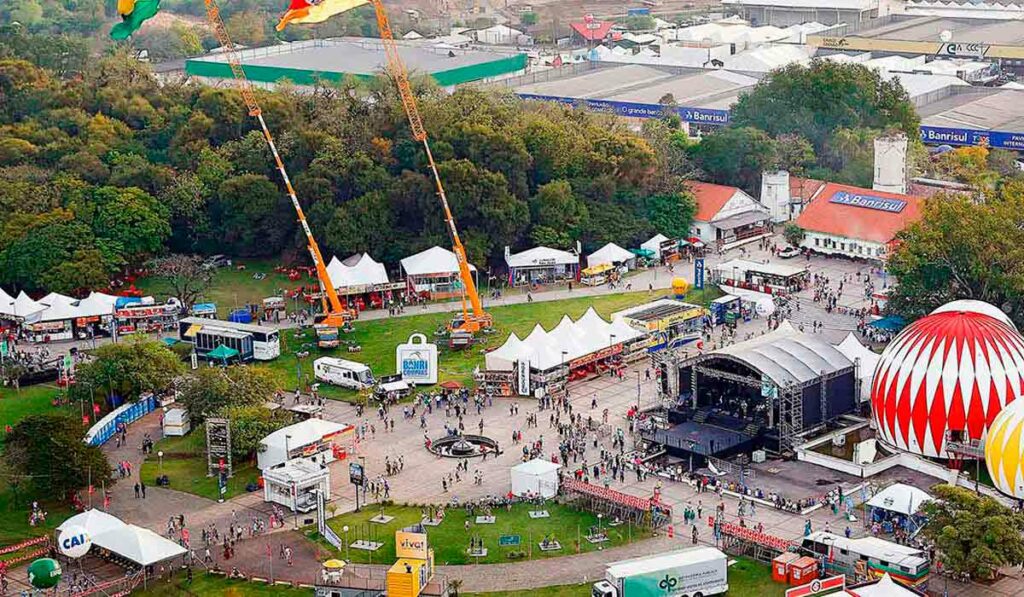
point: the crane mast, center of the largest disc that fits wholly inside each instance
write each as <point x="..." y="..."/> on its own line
<point x="334" y="314"/>
<point x="478" y="319"/>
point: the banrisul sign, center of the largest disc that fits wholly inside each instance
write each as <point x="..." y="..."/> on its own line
<point x="639" y="110"/>
<point x="416" y="360"/>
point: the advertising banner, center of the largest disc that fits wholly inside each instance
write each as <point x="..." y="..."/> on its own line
<point x="416" y="360"/>
<point x="523" y="377"/>
<point x="639" y="110"/>
<point x="411" y="545"/>
<point x="698" y="273"/>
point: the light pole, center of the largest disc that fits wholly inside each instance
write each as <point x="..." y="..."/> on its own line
<point x="565" y="372"/>
<point x="344" y="530"/>
<point x="160" y="468"/>
<point x="362" y="462"/>
<point x="638" y="390"/>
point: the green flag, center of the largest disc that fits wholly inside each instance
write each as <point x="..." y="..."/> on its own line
<point x="133" y="14"/>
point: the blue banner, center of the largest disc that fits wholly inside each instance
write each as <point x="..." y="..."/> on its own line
<point x="698" y="273"/>
<point x="937" y="135"/>
<point x="638" y="110"/>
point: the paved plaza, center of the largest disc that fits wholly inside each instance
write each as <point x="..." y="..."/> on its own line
<point x="420" y="479"/>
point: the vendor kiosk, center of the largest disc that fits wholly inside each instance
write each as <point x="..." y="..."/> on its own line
<point x="295" y="484"/>
<point x="314" y="439"/>
<point x="204" y="310"/>
<point x="146" y="318"/>
<point x="725" y="310"/>
<point x="596" y="275"/>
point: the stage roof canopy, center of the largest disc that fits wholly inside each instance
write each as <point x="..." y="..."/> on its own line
<point x="787" y="356"/>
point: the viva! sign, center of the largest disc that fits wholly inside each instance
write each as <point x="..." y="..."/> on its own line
<point x="818" y="585"/>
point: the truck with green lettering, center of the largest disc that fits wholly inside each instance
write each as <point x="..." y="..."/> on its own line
<point x="696" y="572"/>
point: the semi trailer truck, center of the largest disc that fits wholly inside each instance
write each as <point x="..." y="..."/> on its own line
<point x="695" y="572"/>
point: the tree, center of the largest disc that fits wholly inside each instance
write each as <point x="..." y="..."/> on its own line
<point x="250" y="424"/>
<point x="186" y="275"/>
<point x="210" y="390"/>
<point x="793" y="234"/>
<point x="528" y="18"/>
<point x="960" y="249"/>
<point x="128" y="369"/>
<point x="251" y="216"/>
<point x="672" y="214"/>
<point x="973" y="534"/>
<point x="556" y="208"/>
<point x="247" y="28"/>
<point x="640" y="23"/>
<point x="49" y="451"/>
<point x="737" y="156"/>
<point x="825" y="96"/>
<point x="133" y="219"/>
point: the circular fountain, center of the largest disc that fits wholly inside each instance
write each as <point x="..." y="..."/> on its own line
<point x="463" y="446"/>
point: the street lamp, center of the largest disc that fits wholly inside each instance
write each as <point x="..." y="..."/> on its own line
<point x="344" y="530"/>
<point x="160" y="456"/>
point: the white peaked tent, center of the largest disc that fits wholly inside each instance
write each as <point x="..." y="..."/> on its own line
<point x="535" y="477"/>
<point x="55" y="298"/>
<point x="565" y="342"/>
<point x="96" y="304"/>
<point x="900" y="498"/>
<point x="853" y="350"/>
<point x="883" y="587"/>
<point x="6" y="304"/>
<point x="610" y="253"/>
<point x="435" y="260"/>
<point x="357" y="270"/>
<point x="27" y="308"/>
<point x="59" y="311"/>
<point x="142" y="546"/>
<point x="95" y="522"/>
<point x="538" y="256"/>
<point x="654" y="244"/>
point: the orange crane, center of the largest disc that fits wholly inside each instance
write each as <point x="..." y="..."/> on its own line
<point x="334" y="315"/>
<point x="461" y="329"/>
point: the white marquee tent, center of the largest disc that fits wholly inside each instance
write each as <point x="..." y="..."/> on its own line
<point x="541" y="256"/>
<point x="535" y="477"/>
<point x="610" y="253"/>
<point x="95" y="522"/>
<point x="900" y="498"/>
<point x="142" y="546"/>
<point x="853" y="350"/>
<point x="654" y="244"/>
<point x="357" y="270"/>
<point x="544" y="349"/>
<point x="26" y="308"/>
<point x="272" y="451"/>
<point x="435" y="260"/>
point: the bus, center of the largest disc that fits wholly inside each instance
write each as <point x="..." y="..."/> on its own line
<point x="251" y="341"/>
<point x="869" y="558"/>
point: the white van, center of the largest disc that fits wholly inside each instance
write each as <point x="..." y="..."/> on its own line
<point x="339" y="372"/>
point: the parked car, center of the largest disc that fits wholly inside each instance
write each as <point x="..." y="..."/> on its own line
<point x="789" y="252"/>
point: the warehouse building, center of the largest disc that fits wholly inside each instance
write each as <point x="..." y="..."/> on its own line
<point x="782" y="13"/>
<point x="986" y="116"/>
<point x="306" y="63"/>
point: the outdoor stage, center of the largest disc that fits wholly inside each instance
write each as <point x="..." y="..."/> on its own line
<point x="702" y="439"/>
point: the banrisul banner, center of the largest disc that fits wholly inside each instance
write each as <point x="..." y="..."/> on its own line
<point x="936" y="135"/>
<point x="638" y="110"/>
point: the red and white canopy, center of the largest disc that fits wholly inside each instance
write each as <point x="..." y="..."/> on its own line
<point x="952" y="370"/>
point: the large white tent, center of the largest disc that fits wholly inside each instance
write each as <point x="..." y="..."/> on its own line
<point x="142" y="546"/>
<point x="654" y="244"/>
<point x="535" y="477"/>
<point x="565" y="342"/>
<point x="311" y="432"/>
<point x="357" y="270"/>
<point x="435" y="260"/>
<point x="96" y="305"/>
<point x="853" y="350"/>
<point x="610" y="253"/>
<point x="95" y="522"/>
<point x="6" y="304"/>
<point x="25" y="307"/>
<point x="900" y="498"/>
<point x="540" y="256"/>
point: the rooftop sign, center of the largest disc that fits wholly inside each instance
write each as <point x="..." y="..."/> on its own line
<point x="868" y="201"/>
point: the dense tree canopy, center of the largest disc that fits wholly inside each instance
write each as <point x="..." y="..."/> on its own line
<point x="49" y="452"/>
<point x="973" y="533"/>
<point x="128" y="368"/>
<point x="110" y="169"/>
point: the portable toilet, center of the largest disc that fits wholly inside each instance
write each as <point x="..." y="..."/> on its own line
<point x="803" y="570"/>
<point x="240" y="316"/>
<point x="780" y="566"/>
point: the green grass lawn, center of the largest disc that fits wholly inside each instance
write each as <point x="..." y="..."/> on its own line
<point x="378" y="338"/>
<point x="214" y="585"/>
<point x="450" y="539"/>
<point x="747" y="578"/>
<point x="184" y="463"/>
<point x="15" y="405"/>
<point x="232" y="288"/>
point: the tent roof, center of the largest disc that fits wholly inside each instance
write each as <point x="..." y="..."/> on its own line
<point x="900" y="498"/>
<point x="853" y="349"/>
<point x="59" y="310"/>
<point x="94" y="521"/>
<point x="541" y="256"/>
<point x="222" y="352"/>
<point x="357" y="270"/>
<point x="435" y="260"/>
<point x="24" y="306"/>
<point x="95" y="304"/>
<point x="6" y="303"/>
<point x="610" y="253"/>
<point x="883" y="587"/>
<point x="787" y="356"/>
<point x="654" y="243"/>
<point x="302" y="433"/>
<point x="142" y="546"/>
<point x="537" y="466"/>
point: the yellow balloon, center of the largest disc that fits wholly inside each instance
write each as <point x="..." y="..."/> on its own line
<point x="125" y="7"/>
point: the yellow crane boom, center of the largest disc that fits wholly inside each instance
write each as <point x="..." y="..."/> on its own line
<point x="334" y="314"/>
<point x="478" y="319"/>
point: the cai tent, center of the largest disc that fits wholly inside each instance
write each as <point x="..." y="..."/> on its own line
<point x="535" y="477"/>
<point x="142" y="546"/>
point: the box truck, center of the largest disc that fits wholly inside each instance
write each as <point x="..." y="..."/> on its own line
<point x="693" y="572"/>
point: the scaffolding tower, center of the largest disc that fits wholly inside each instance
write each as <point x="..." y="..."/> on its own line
<point x="218" y="447"/>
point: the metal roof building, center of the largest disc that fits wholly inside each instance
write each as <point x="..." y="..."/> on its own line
<point x="306" y="62"/>
<point x="991" y="110"/>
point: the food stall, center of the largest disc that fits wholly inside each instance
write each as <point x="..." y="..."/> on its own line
<point x="596" y="275"/>
<point x="295" y="484"/>
<point x="770" y="278"/>
<point x="204" y="310"/>
<point x="146" y="318"/>
<point x="725" y="309"/>
<point x="314" y="439"/>
<point x="668" y="322"/>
